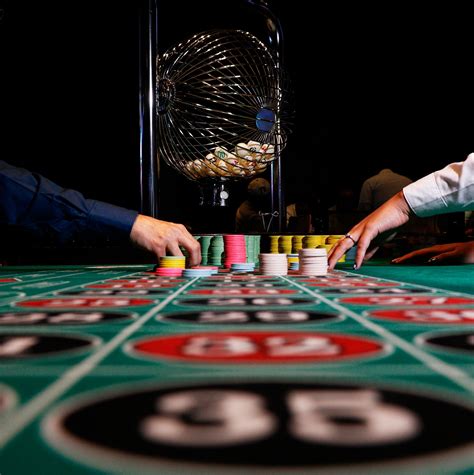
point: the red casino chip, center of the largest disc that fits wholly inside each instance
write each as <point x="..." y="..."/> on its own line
<point x="86" y="302"/>
<point x="237" y="292"/>
<point x="408" y="300"/>
<point x="257" y="347"/>
<point x="464" y="316"/>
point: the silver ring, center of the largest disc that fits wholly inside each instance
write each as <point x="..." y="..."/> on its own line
<point x="351" y="238"/>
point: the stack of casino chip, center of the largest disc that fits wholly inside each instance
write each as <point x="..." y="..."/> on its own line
<point x="171" y="266"/>
<point x="273" y="264"/>
<point x="249" y="248"/>
<point x="242" y="267"/>
<point x="256" y="248"/>
<point x="311" y="241"/>
<point x="293" y="261"/>
<point x="274" y="244"/>
<point x="216" y="249"/>
<point x="252" y="243"/>
<point x="234" y="249"/>
<point x="200" y="271"/>
<point x="331" y="241"/>
<point x="284" y="244"/>
<point x="313" y="261"/>
<point x="296" y="244"/>
<point x="205" y="242"/>
<point x="334" y="238"/>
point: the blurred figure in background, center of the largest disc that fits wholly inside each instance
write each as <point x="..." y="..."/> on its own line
<point x="379" y="188"/>
<point x="252" y="215"/>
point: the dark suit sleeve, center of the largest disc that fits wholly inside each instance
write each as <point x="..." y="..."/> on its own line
<point x="30" y="201"/>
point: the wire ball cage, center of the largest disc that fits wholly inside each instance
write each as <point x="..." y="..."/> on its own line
<point x="222" y="106"/>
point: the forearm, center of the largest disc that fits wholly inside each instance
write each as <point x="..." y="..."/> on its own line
<point x="448" y="190"/>
<point x="31" y="201"/>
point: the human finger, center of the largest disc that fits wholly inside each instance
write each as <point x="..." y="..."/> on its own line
<point x="362" y="246"/>
<point x="174" y="249"/>
<point x="193" y="248"/>
<point x="338" y="251"/>
<point x="444" y="258"/>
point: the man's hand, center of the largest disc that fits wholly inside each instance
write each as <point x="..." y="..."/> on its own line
<point x="160" y="236"/>
<point x="455" y="253"/>
<point x="392" y="214"/>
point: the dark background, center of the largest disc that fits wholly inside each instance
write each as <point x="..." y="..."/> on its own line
<point x="373" y="87"/>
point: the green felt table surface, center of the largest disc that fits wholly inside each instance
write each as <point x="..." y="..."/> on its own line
<point x="38" y="385"/>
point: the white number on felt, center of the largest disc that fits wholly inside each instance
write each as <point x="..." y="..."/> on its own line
<point x="222" y="417"/>
<point x="209" y="418"/>
<point x="295" y="345"/>
<point x="210" y="317"/>
<point x="16" y="345"/>
<point x="215" y="346"/>
<point x="286" y="317"/>
<point x="76" y="317"/>
<point x="348" y="417"/>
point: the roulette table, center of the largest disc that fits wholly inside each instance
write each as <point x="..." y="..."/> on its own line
<point x="114" y="369"/>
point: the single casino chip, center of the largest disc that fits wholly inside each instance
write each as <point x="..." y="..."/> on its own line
<point x="246" y="302"/>
<point x="85" y="302"/>
<point x="436" y="316"/>
<point x="275" y="425"/>
<point x="453" y="341"/>
<point x="31" y="345"/>
<point x="61" y="318"/>
<point x="408" y="300"/>
<point x="9" y="280"/>
<point x="257" y="347"/>
<point x="239" y="317"/>
<point x="371" y="290"/>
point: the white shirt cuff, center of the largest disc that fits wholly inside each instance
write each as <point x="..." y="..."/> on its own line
<point x="424" y="197"/>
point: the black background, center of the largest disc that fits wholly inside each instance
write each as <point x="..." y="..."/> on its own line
<point x="373" y="87"/>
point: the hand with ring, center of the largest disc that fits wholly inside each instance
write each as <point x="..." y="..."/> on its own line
<point x="351" y="238"/>
<point x="392" y="214"/>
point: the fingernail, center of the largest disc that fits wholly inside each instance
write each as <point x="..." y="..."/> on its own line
<point x="354" y="266"/>
<point x="432" y="259"/>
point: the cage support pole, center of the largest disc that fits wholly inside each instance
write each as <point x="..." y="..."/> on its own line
<point x="149" y="163"/>
<point x="275" y="42"/>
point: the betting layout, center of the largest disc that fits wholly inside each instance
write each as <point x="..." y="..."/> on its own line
<point x="141" y="372"/>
